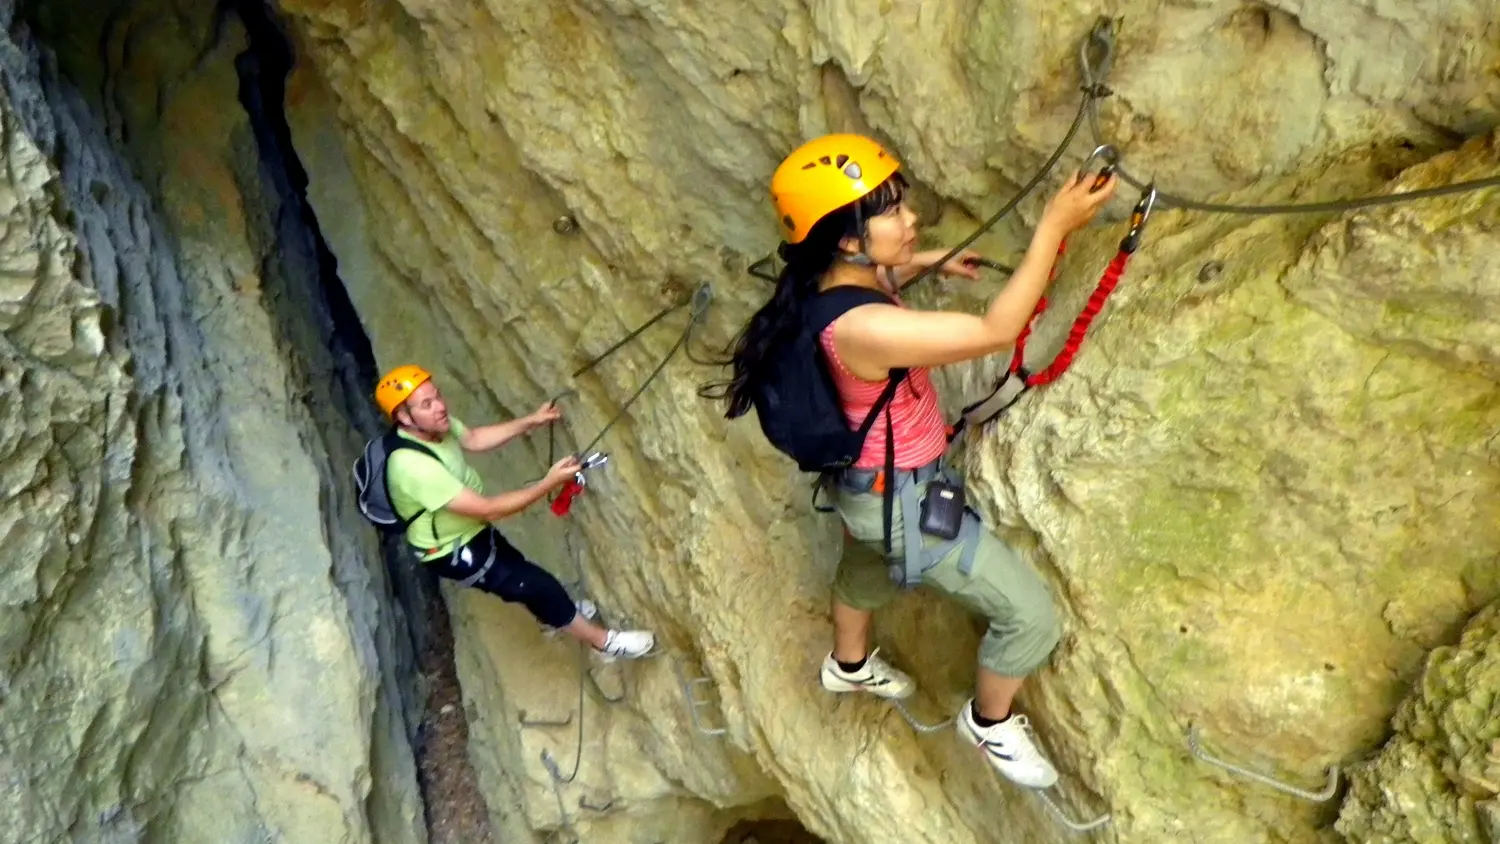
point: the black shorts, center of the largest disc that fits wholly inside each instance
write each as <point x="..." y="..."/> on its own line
<point x="511" y="577"/>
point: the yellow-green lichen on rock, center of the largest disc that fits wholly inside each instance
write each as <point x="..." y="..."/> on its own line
<point x="1438" y="779"/>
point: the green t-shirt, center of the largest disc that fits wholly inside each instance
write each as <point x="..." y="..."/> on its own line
<point x="418" y="482"/>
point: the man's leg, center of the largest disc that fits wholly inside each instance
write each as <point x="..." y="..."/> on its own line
<point x="861" y="586"/>
<point x="534" y="587"/>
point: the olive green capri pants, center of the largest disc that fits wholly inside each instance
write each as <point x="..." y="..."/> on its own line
<point x="1001" y="587"/>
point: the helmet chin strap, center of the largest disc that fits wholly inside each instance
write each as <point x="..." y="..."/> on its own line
<point x="860" y="258"/>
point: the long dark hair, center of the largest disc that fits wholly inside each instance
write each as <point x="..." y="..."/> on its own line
<point x="805" y="265"/>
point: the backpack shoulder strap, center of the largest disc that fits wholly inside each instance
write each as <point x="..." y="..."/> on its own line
<point x="833" y="303"/>
<point x="394" y="442"/>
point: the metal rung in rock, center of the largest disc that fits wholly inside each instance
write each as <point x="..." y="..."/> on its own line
<point x="527" y="722"/>
<point x="693" y="701"/>
<point x="1315" y="796"/>
<point x="1063" y="819"/>
<point x="608" y="698"/>
<point x="918" y="725"/>
<point x="583" y="803"/>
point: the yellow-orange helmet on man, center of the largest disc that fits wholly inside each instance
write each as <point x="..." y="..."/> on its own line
<point x="397" y="385"/>
<point x="825" y="174"/>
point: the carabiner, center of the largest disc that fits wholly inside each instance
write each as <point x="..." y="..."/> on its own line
<point x="702" y="298"/>
<point x="592" y="461"/>
<point x="1138" y="217"/>
<point x="1111" y="158"/>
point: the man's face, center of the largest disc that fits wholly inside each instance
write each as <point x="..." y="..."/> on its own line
<point x="425" y="410"/>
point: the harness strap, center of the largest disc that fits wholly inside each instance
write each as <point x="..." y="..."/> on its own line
<point x="915" y="558"/>
<point x="918" y="559"/>
<point x="466" y="558"/>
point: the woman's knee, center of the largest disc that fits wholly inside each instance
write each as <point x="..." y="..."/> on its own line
<point x="1024" y="627"/>
<point x="1024" y="642"/>
<point x="862" y="580"/>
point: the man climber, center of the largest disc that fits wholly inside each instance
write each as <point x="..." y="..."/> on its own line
<point x="452" y="531"/>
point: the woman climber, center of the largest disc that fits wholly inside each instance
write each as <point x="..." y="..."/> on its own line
<point x="848" y="248"/>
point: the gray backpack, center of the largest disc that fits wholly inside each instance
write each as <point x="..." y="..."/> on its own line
<point x="372" y="488"/>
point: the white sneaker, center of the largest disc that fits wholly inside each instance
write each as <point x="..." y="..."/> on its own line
<point x="1008" y="747"/>
<point x="586" y="609"/>
<point x="876" y="677"/>
<point x="630" y="644"/>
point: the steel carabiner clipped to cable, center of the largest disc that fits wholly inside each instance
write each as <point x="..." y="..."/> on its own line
<point x="593" y="460"/>
<point x="1138" y="217"/>
<point x="571" y="490"/>
<point x="1111" y="158"/>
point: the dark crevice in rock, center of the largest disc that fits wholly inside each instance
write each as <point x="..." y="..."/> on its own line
<point x="315" y="312"/>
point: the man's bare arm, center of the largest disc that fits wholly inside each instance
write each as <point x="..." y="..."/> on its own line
<point x="486" y="437"/>
<point x="492" y="508"/>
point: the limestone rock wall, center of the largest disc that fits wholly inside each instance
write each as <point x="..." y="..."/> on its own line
<point x="1438" y="780"/>
<point x="1262" y="494"/>
<point x="195" y="643"/>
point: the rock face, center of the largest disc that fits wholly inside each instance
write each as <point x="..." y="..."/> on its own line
<point x="1439" y="779"/>
<point x="1260" y="495"/>
<point x="196" y="643"/>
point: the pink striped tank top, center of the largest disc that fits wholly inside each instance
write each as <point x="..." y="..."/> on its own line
<point x="916" y="420"/>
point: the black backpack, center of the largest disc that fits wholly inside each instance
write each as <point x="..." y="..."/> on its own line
<point x="371" y="484"/>
<point x="797" y="402"/>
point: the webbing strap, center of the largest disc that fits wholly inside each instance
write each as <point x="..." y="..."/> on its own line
<point x="916" y="559"/>
<point x="463" y="554"/>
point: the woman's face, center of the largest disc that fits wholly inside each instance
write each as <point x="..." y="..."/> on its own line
<point x="890" y="238"/>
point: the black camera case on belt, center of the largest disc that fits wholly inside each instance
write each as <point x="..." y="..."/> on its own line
<point x="942" y="509"/>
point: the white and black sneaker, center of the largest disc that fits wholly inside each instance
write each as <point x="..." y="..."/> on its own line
<point x="1008" y="748"/>
<point x="876" y="676"/>
<point x="627" y="644"/>
<point x="586" y="609"/>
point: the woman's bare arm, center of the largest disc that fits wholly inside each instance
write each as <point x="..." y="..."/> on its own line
<point x="873" y="339"/>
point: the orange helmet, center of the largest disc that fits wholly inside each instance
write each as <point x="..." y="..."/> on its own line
<point x="825" y="174"/>
<point x="397" y="385"/>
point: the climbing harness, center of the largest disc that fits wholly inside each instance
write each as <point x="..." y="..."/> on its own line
<point x="1017" y="379"/>
<point x="1315" y="796"/>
